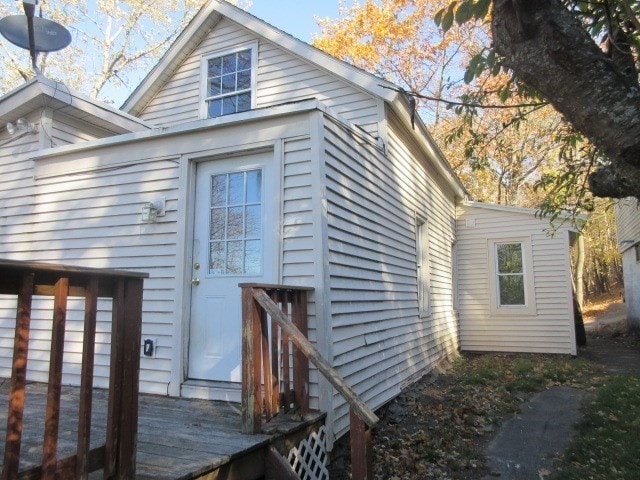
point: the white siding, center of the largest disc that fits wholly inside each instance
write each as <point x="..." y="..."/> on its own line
<point x="628" y="232"/>
<point x="94" y="220"/>
<point x="380" y="343"/>
<point x="67" y="130"/>
<point x="549" y="328"/>
<point x="281" y="78"/>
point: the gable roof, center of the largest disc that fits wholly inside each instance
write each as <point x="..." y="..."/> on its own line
<point x="207" y="18"/>
<point x="214" y="10"/>
<point x="41" y="92"/>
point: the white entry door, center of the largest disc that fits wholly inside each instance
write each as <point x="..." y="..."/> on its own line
<point x="234" y="241"/>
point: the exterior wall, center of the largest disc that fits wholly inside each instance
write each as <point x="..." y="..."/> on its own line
<point x="628" y="232"/>
<point x="380" y="343"/>
<point x="67" y="130"/>
<point x="549" y="326"/>
<point x="84" y="208"/>
<point x="281" y="78"/>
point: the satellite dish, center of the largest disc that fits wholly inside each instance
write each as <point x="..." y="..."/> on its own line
<point x="34" y="33"/>
<point x="49" y="36"/>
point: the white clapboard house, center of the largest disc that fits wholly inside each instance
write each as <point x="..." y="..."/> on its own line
<point x="268" y="161"/>
<point x="628" y="232"/>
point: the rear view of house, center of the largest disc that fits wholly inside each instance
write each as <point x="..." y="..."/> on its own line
<point x="247" y="156"/>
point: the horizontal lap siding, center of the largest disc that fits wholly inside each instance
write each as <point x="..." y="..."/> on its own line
<point x="281" y="77"/>
<point x="379" y="342"/>
<point x="94" y="220"/>
<point x="66" y="130"/>
<point x="548" y="329"/>
<point x="628" y="220"/>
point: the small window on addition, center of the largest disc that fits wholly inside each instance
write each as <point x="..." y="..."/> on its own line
<point x="229" y="82"/>
<point x="422" y="265"/>
<point x="637" y="249"/>
<point x="510" y="271"/>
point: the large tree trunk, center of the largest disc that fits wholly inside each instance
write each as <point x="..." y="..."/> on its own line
<point x="549" y="50"/>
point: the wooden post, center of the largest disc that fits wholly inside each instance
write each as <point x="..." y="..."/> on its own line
<point x="361" y="449"/>
<point x="52" y="416"/>
<point x="13" y="436"/>
<point x="130" y="378"/>
<point x="86" y="380"/>
<point x="251" y="341"/>
<point x="114" y="407"/>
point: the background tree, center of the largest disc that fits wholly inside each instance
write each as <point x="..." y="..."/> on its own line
<point x="114" y="42"/>
<point x="527" y="155"/>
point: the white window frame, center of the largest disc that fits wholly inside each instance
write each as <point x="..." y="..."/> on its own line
<point x="423" y="269"/>
<point x="529" y="307"/>
<point x="204" y="62"/>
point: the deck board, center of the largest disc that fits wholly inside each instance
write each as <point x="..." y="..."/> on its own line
<point x="178" y="438"/>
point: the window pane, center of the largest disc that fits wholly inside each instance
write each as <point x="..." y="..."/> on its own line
<point x="215" y="108"/>
<point x="229" y="83"/>
<point x="235" y="223"/>
<point x="244" y="80"/>
<point x="243" y="102"/>
<point x="236" y="188"/>
<point x="216" y="261"/>
<point x="214" y="68"/>
<point x="244" y="60"/>
<point x="254" y="186"/>
<point x="252" y="259"/>
<point x="510" y="258"/>
<point x="229" y="105"/>
<point x="253" y="222"/>
<point x="235" y="257"/>
<point x="229" y="63"/>
<point x="218" y="224"/>
<point x="511" y="289"/>
<point x="218" y="190"/>
<point x="214" y="87"/>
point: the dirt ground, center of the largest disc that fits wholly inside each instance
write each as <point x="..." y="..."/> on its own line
<point x="433" y="430"/>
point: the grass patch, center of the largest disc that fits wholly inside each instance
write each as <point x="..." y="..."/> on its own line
<point x="608" y="439"/>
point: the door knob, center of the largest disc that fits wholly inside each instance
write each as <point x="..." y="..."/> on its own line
<point x="195" y="281"/>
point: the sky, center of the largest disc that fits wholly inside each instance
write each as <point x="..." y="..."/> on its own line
<point x="296" y="17"/>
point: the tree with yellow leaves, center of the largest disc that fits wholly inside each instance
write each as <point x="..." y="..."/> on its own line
<point x="113" y="41"/>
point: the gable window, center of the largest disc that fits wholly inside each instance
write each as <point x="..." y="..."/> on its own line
<point x="510" y="271"/>
<point x="511" y="276"/>
<point x="229" y="80"/>
<point x="422" y="266"/>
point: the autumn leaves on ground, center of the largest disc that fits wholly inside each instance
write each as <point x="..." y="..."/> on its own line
<point x="439" y="427"/>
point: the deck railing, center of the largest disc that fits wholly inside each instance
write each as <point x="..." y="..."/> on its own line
<point x="117" y="456"/>
<point x="265" y="366"/>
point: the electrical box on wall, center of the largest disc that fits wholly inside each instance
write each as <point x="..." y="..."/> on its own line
<point x="149" y="347"/>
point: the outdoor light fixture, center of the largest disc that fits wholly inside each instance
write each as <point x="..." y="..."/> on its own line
<point x="152" y="210"/>
<point x="21" y="125"/>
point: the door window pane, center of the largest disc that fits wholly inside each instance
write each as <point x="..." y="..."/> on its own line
<point x="236" y="223"/>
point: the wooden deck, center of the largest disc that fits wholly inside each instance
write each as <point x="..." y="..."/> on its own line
<point x="177" y="438"/>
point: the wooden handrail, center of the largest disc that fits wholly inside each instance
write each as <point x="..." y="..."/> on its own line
<point x="117" y="456"/>
<point x="255" y="350"/>
<point x="314" y="356"/>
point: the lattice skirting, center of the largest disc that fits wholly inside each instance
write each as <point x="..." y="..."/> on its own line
<point x="309" y="458"/>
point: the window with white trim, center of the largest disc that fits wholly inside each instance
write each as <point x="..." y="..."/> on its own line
<point x="229" y="81"/>
<point x="422" y="264"/>
<point x="511" y="276"/>
<point x="510" y="272"/>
